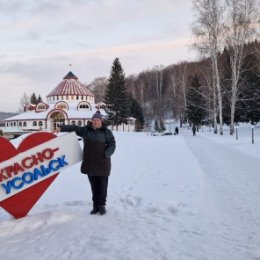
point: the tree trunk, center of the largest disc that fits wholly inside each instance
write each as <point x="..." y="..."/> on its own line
<point x="215" y="111"/>
<point x="233" y="104"/>
<point x="219" y="102"/>
<point x="216" y="83"/>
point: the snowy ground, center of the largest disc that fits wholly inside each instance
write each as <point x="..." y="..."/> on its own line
<point x="170" y="197"/>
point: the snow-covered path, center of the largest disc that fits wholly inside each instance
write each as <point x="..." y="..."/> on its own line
<point x="171" y="197"/>
<point x="233" y="191"/>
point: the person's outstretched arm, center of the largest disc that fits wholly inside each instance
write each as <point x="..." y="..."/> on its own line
<point x="70" y="128"/>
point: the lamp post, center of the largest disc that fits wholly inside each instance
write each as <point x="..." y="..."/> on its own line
<point x="252" y="126"/>
<point x="236" y="128"/>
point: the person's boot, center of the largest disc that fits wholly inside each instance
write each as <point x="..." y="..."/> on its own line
<point x="102" y="210"/>
<point x="95" y="210"/>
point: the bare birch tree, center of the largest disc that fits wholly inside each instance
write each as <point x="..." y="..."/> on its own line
<point x="173" y="92"/>
<point x="177" y="84"/>
<point x="141" y="89"/>
<point x="25" y="100"/>
<point x="159" y="87"/>
<point x="208" y="29"/>
<point x="183" y="81"/>
<point x="206" y="73"/>
<point x="174" y="85"/>
<point x="98" y="87"/>
<point x="159" y="80"/>
<point x="183" y="78"/>
<point x="240" y="28"/>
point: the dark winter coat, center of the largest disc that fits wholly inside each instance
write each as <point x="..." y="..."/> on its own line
<point x="99" y="145"/>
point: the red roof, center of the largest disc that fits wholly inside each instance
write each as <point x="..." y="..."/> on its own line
<point x="70" y="86"/>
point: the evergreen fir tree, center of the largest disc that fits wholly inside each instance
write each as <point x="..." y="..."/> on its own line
<point x="156" y="126"/>
<point x="33" y="99"/>
<point x="162" y="126"/>
<point x="249" y="100"/>
<point x="136" y="112"/>
<point x="195" y="109"/>
<point x="116" y="97"/>
<point x="39" y="99"/>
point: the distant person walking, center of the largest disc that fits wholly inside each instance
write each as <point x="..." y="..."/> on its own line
<point x="194" y="130"/>
<point x="176" y="131"/>
<point x="99" y="145"/>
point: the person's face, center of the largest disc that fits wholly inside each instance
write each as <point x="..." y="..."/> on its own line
<point x="96" y="123"/>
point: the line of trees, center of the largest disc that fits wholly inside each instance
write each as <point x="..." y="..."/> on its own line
<point x="225" y="35"/>
<point x="32" y="99"/>
<point x="196" y="102"/>
<point x="230" y="23"/>
<point x="170" y="92"/>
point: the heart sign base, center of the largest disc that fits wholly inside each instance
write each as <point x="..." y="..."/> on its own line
<point x="26" y="172"/>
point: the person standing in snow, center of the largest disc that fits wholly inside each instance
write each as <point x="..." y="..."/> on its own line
<point x="176" y="131"/>
<point x="99" y="145"/>
<point x="194" y="130"/>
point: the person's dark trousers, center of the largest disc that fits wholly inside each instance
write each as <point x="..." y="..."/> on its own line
<point x="99" y="190"/>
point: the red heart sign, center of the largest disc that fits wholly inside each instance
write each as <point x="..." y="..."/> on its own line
<point x="19" y="204"/>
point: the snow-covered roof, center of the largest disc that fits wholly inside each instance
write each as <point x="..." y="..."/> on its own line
<point x="73" y="109"/>
<point x="70" y="86"/>
<point x="72" y="113"/>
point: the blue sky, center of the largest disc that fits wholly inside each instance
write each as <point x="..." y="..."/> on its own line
<point x="39" y="39"/>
